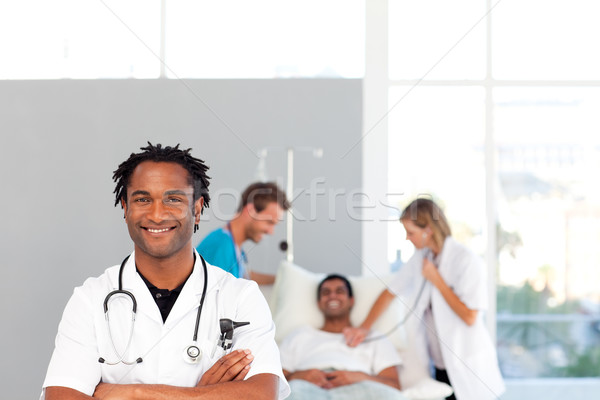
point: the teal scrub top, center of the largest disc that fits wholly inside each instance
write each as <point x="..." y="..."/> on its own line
<point x="219" y="250"/>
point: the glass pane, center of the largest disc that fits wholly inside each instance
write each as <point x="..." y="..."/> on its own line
<point x="436" y="148"/>
<point x="432" y="39"/>
<point x="548" y="153"/>
<point x="79" y="39"/>
<point x="541" y="39"/>
<point x="31" y="42"/>
<point x="265" y="38"/>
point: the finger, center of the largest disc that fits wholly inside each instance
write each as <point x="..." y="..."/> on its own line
<point x="325" y="382"/>
<point x="349" y="338"/>
<point x="357" y="339"/>
<point x="353" y="336"/>
<point x="333" y="382"/>
<point x="347" y="332"/>
<point x="243" y="373"/>
<point x="228" y="360"/>
<point x="216" y="373"/>
<point x="235" y="369"/>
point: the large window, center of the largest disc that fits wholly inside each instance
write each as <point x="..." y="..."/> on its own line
<point x="91" y="39"/>
<point x="548" y="153"/>
<point x="265" y="38"/>
<point x="436" y="149"/>
<point x="494" y="113"/>
<point x="80" y="39"/>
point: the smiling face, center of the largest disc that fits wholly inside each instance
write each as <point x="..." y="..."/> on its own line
<point x="334" y="299"/>
<point x="263" y="222"/>
<point x="160" y="211"/>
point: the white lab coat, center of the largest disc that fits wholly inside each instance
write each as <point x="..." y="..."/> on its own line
<point x="83" y="335"/>
<point x="468" y="352"/>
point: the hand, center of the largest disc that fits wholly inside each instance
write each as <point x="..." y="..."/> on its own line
<point x="341" y="378"/>
<point x="430" y="272"/>
<point x="314" y="376"/>
<point x="355" y="336"/>
<point x="231" y="367"/>
<point x="109" y="391"/>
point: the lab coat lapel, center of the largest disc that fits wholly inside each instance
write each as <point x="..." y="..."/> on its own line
<point x="418" y="279"/>
<point x="134" y="283"/>
<point x="189" y="298"/>
<point x="445" y="268"/>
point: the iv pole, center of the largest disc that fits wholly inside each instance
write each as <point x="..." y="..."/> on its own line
<point x="289" y="191"/>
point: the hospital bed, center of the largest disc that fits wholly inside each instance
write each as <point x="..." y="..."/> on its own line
<point x="292" y="300"/>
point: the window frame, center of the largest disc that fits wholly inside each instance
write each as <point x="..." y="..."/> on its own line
<point x="375" y="142"/>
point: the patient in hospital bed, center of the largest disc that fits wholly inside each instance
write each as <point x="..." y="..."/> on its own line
<point x="295" y="310"/>
<point x="319" y="365"/>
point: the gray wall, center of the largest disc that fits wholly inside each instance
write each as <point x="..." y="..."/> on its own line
<point x="61" y="140"/>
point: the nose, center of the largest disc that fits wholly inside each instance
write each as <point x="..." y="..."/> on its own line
<point x="157" y="212"/>
<point x="333" y="295"/>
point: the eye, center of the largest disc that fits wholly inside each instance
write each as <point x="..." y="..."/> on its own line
<point x="141" y="200"/>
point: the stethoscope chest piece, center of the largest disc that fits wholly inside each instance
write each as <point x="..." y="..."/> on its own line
<point x="192" y="354"/>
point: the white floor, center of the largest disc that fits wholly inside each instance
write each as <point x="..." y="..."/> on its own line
<point x="552" y="389"/>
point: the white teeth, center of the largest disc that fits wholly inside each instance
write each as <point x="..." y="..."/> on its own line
<point x="157" y="230"/>
<point x="333" y="304"/>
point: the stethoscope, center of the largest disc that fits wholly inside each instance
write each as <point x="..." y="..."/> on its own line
<point x="403" y="321"/>
<point x="192" y="353"/>
<point x="411" y="311"/>
<point x="240" y="257"/>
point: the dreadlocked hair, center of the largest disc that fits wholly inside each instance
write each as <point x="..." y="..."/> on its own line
<point x="196" y="168"/>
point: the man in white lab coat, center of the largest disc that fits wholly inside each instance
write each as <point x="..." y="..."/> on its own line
<point x="175" y="347"/>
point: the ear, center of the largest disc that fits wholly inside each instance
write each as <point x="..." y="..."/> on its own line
<point x="124" y="205"/>
<point x="250" y="210"/>
<point x="198" y="206"/>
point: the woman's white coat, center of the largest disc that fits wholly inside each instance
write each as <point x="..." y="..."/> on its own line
<point x="468" y="351"/>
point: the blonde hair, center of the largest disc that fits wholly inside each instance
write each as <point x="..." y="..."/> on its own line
<point x="424" y="213"/>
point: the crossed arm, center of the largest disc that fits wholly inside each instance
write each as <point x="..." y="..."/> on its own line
<point x="332" y="379"/>
<point x="224" y="380"/>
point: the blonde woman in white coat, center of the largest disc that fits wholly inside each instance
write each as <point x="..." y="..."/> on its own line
<point x="448" y="313"/>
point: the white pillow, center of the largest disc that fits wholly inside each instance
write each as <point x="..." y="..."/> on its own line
<point x="427" y="389"/>
<point x="293" y="302"/>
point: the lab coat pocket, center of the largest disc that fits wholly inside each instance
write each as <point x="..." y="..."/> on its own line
<point x="212" y="352"/>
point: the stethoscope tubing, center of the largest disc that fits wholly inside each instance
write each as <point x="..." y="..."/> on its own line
<point x="121" y="291"/>
<point x="403" y="321"/>
<point x="204" y="288"/>
<point x="428" y="254"/>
